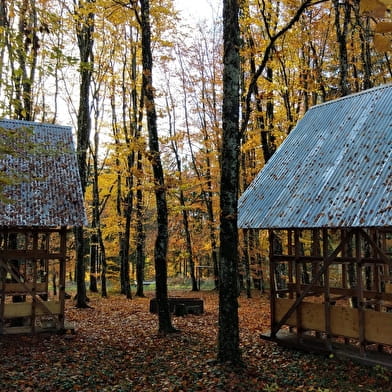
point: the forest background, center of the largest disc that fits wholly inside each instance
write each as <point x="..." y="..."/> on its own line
<point x="80" y="63"/>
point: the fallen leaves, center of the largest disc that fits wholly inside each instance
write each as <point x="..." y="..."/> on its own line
<point x="117" y="348"/>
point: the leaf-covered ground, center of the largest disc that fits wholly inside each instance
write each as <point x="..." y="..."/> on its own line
<point x="116" y="348"/>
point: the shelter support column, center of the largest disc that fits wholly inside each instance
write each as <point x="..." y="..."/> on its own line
<point x="327" y="294"/>
<point x="361" y="314"/>
<point x="63" y="252"/>
<point x="298" y="270"/>
<point x="272" y="283"/>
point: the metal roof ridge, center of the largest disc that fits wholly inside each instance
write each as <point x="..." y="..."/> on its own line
<point x="352" y="95"/>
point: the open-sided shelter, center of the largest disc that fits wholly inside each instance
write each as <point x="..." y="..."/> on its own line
<point x="325" y="197"/>
<point x="40" y="199"/>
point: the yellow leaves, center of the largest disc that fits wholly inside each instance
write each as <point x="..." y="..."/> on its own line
<point x="119" y="14"/>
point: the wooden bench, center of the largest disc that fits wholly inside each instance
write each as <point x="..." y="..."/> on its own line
<point x="180" y="306"/>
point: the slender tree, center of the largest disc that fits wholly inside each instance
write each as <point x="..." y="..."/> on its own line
<point x="84" y="33"/>
<point x="160" y="251"/>
<point x="140" y="232"/>
<point x="181" y="193"/>
<point x="342" y="21"/>
<point x="228" y="337"/>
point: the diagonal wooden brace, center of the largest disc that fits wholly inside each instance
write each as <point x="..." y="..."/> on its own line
<point x="327" y="262"/>
<point x="15" y="276"/>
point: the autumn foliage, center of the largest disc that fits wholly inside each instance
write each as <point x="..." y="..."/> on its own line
<point x="116" y="348"/>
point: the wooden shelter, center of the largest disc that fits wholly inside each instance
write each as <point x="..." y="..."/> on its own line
<point x="41" y="202"/>
<point x="325" y="199"/>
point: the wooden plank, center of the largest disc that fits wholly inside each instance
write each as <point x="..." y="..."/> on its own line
<point x="388" y="288"/>
<point x="68" y="327"/>
<point x="344" y="320"/>
<point x="378" y="327"/>
<point x="24" y="288"/>
<point x="24" y="309"/>
<point x="312" y="314"/>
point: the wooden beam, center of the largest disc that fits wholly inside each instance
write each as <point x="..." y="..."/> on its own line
<point x="25" y="309"/>
<point x="20" y="288"/>
<point x="346" y="292"/>
<point x="28" y="254"/>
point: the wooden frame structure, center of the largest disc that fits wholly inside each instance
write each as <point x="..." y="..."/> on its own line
<point x="335" y="289"/>
<point x="36" y="210"/>
<point x="325" y="198"/>
<point x="28" y="257"/>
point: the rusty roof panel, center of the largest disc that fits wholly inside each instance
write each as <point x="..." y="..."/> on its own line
<point x="50" y="193"/>
<point x="333" y="170"/>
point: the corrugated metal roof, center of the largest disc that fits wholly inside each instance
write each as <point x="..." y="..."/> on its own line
<point x="51" y="194"/>
<point x="333" y="170"/>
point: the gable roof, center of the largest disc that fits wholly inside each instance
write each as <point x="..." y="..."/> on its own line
<point x="333" y="170"/>
<point x="50" y="193"/>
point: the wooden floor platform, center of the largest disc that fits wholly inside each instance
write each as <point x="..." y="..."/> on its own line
<point x="308" y="343"/>
<point x="27" y="330"/>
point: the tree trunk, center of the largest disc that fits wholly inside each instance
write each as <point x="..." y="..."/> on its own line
<point x="342" y="19"/>
<point x="185" y="219"/>
<point x="365" y="35"/>
<point x="85" y="43"/>
<point x="161" y="242"/>
<point x="124" y="248"/>
<point x="81" y="298"/>
<point x="104" y="292"/>
<point x="94" y="254"/>
<point x="228" y="335"/>
<point x="140" y="234"/>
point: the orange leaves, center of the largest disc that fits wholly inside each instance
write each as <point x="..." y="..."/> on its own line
<point x="383" y="27"/>
<point x="376" y="8"/>
<point x="116" y="348"/>
<point x="382" y="43"/>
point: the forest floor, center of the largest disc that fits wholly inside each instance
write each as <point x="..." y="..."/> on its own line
<point x="116" y="348"/>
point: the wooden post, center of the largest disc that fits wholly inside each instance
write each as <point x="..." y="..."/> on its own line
<point x="290" y="253"/>
<point x="34" y="286"/>
<point x="297" y="282"/>
<point x="361" y="314"/>
<point x="63" y="253"/>
<point x="327" y="302"/>
<point x="272" y="283"/>
<point x="3" y="274"/>
<point x="344" y="269"/>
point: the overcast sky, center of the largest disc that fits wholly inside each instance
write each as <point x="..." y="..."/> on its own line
<point x="197" y="9"/>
